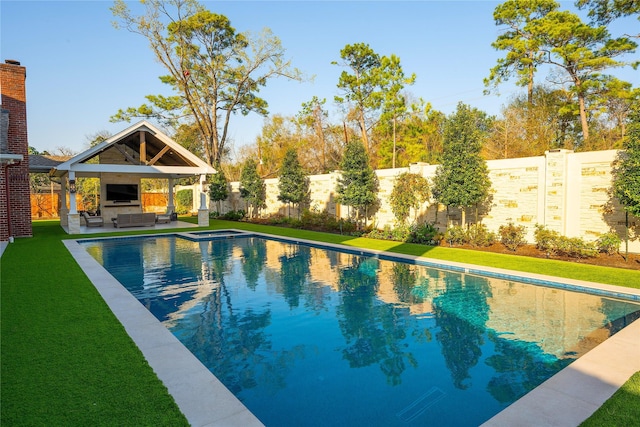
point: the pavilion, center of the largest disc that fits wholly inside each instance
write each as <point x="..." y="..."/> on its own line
<point x="120" y="162"/>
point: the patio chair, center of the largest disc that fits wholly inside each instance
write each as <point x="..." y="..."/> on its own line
<point x="164" y="218"/>
<point x="93" y="221"/>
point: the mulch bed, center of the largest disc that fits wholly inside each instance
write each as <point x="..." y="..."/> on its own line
<point x="604" y="260"/>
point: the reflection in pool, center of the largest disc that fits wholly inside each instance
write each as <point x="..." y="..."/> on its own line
<point x="308" y="336"/>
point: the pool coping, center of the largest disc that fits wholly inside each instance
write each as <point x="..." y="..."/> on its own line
<point x="566" y="399"/>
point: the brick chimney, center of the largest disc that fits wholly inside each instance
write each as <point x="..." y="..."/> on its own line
<point x="15" y="202"/>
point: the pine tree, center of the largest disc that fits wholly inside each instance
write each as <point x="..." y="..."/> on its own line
<point x="293" y="183"/>
<point x="358" y="185"/>
<point x="462" y="180"/>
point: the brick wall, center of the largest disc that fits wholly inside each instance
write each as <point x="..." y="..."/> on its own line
<point x="15" y="177"/>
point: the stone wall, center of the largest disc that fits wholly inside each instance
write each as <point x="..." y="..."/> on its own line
<point x="565" y="191"/>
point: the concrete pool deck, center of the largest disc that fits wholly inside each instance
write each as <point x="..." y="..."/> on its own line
<point x="566" y="399"/>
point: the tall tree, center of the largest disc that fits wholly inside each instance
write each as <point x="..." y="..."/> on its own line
<point x="214" y="71"/>
<point x="293" y="184"/>
<point x="394" y="104"/>
<point x="462" y="180"/>
<point x="522" y="46"/>
<point x="313" y="116"/>
<point x="361" y="89"/>
<point x="358" y="185"/>
<point x="279" y="134"/>
<point x="626" y="172"/>
<point x="604" y="11"/>
<point x="252" y="187"/>
<point x="582" y="51"/>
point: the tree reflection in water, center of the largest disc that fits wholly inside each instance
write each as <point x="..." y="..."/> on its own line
<point x="294" y="273"/>
<point x="461" y="311"/>
<point x="373" y="331"/>
<point x="234" y="342"/>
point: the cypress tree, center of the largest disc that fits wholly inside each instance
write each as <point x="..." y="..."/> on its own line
<point x="252" y="188"/>
<point x="293" y="183"/>
<point x="358" y="184"/>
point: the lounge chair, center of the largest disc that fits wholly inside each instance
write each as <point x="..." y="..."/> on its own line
<point x="165" y="217"/>
<point x="92" y="221"/>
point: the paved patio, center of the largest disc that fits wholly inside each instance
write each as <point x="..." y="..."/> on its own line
<point x="109" y="228"/>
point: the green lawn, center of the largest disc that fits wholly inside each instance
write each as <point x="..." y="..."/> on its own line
<point x="67" y="361"/>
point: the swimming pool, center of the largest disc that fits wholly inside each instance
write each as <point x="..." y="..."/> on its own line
<point x="337" y="338"/>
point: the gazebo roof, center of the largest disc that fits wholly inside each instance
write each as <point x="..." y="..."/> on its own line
<point x="141" y="149"/>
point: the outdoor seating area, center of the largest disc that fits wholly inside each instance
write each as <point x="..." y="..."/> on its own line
<point x="92" y="221"/>
<point x="144" y="219"/>
<point x="164" y="218"/>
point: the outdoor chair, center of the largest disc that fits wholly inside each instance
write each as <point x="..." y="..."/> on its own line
<point x="164" y="218"/>
<point x="93" y="221"/>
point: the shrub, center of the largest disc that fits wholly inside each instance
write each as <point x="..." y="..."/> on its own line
<point x="512" y="236"/>
<point x="456" y="235"/>
<point x="184" y="201"/>
<point x="479" y="235"/>
<point x="426" y="234"/>
<point x="575" y="247"/>
<point x="385" y="234"/>
<point x="234" y="215"/>
<point x="609" y="243"/>
<point x="546" y="240"/>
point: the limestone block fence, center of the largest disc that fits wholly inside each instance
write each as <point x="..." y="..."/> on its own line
<point x="565" y="191"/>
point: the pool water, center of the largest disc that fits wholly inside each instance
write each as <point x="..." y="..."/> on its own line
<point x="308" y="336"/>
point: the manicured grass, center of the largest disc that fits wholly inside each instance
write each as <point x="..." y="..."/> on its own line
<point x="621" y="410"/>
<point x="570" y="270"/>
<point x="66" y="360"/>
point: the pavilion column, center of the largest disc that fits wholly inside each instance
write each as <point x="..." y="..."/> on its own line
<point x="170" y="205"/>
<point x="73" y="217"/>
<point x="64" y="221"/>
<point x="203" y="210"/>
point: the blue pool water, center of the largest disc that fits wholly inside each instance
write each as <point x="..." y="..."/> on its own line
<point x="306" y="336"/>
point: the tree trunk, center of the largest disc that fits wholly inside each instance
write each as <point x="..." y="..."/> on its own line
<point x="626" y="236"/>
<point x="583" y="118"/>
<point x="393" y="163"/>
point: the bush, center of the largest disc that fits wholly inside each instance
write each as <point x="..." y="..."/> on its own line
<point x="456" y="235"/>
<point x="575" y="247"/>
<point x="426" y="234"/>
<point x="478" y="235"/>
<point x="512" y="236"/>
<point x="546" y="240"/>
<point x="325" y="221"/>
<point x="184" y="201"/>
<point x="553" y="243"/>
<point x="609" y="243"/>
<point x="233" y="215"/>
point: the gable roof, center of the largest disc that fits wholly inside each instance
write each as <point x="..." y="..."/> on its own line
<point x="140" y="149"/>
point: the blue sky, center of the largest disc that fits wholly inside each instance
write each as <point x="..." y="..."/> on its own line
<point x="81" y="70"/>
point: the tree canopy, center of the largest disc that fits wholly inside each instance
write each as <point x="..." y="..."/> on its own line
<point x="214" y="71"/>
<point x="252" y="187"/>
<point x="462" y="180"/>
<point x="293" y="183"/>
<point x="357" y="187"/>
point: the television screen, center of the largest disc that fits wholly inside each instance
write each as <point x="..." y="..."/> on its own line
<point x="122" y="192"/>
